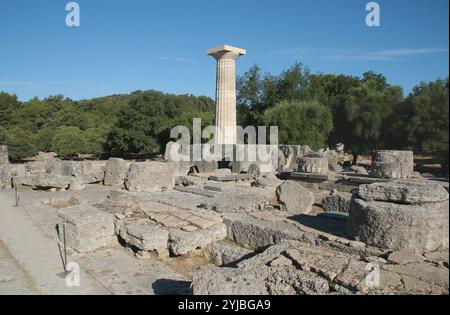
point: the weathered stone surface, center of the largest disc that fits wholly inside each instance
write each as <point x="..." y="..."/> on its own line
<point x="143" y="235"/>
<point x="172" y="151"/>
<point x="182" y="242"/>
<point x="212" y="280"/>
<point x="405" y="256"/>
<point x="236" y="201"/>
<point x="267" y="182"/>
<point x="36" y="168"/>
<point x="405" y="192"/>
<point x="224" y="254"/>
<point x="359" y="170"/>
<point x="5" y="169"/>
<point x="93" y="171"/>
<point x="181" y="168"/>
<point x="89" y="172"/>
<point x="281" y="261"/>
<point x="4" y="159"/>
<point x="333" y="161"/>
<point x="54" y="167"/>
<point x="72" y="168"/>
<point x="337" y="201"/>
<point x="396" y="226"/>
<point x="86" y="228"/>
<point x="150" y="176"/>
<point x="46" y="182"/>
<point x="205" y="166"/>
<point x="219" y="187"/>
<point x="172" y="217"/>
<point x="294" y="198"/>
<point x="251" y="232"/>
<point x="309" y="164"/>
<point x="17" y="170"/>
<point x="292" y="154"/>
<point x="392" y="164"/>
<point x="421" y="277"/>
<point x="116" y="170"/>
<point x="291" y="281"/>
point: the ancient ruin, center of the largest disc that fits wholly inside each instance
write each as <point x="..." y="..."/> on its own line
<point x="300" y="222"/>
<point x="226" y="57"/>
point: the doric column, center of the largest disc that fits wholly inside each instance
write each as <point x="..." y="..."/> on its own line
<point x="226" y="57"/>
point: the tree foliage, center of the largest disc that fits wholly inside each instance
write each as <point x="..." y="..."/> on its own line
<point x="306" y="122"/>
<point x="364" y="113"/>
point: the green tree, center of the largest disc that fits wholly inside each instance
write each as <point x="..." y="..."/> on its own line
<point x="21" y="143"/>
<point x="95" y="141"/>
<point x="300" y="123"/>
<point x="363" y="116"/>
<point x="68" y="142"/>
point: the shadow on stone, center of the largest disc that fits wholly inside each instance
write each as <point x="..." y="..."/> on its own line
<point x="328" y="225"/>
<point x="171" y="287"/>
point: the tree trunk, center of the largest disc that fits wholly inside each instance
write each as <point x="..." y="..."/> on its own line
<point x="355" y="159"/>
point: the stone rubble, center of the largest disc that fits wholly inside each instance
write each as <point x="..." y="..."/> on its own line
<point x="261" y="232"/>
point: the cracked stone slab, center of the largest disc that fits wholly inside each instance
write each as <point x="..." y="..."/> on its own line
<point x="404" y="192"/>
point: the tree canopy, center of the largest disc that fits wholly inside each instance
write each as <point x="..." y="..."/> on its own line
<point x="364" y="113"/>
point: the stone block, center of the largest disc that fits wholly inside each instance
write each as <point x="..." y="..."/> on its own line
<point x="398" y="226"/>
<point x="150" y="176"/>
<point x="182" y="242"/>
<point x="116" y="170"/>
<point x="294" y="198"/>
<point x="404" y="192"/>
<point x="337" y="201"/>
<point x="86" y="228"/>
<point x="310" y="164"/>
<point x="5" y="168"/>
<point x="392" y="164"/>
<point x="236" y="201"/>
<point x="144" y="236"/>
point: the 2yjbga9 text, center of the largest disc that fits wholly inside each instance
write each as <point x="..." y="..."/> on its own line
<point x="224" y="304"/>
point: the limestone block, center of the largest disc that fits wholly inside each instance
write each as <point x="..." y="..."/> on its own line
<point x="318" y="165"/>
<point x="337" y="201"/>
<point x="143" y="235"/>
<point x="392" y="164"/>
<point x="150" y="176"/>
<point x="224" y="254"/>
<point x="116" y="170"/>
<point x="404" y="192"/>
<point x="36" y="168"/>
<point x="236" y="201"/>
<point x="47" y="182"/>
<point x="182" y="242"/>
<point x="87" y="228"/>
<point x="294" y="198"/>
<point x="212" y="280"/>
<point x="398" y="226"/>
<point x="93" y="171"/>
<point x="5" y="168"/>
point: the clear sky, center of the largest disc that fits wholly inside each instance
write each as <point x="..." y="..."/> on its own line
<point x="122" y="46"/>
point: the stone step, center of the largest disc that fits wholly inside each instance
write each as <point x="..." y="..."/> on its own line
<point x="196" y="191"/>
<point x="230" y="178"/>
<point x="220" y="187"/>
<point x="311" y="177"/>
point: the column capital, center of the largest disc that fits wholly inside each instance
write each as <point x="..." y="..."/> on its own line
<point x="226" y="52"/>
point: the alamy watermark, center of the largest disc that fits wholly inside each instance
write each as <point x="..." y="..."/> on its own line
<point x="373" y="19"/>
<point x="249" y="143"/>
<point x="73" y="17"/>
<point x="72" y="278"/>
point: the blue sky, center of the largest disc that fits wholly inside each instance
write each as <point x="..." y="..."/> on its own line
<point x="122" y="46"/>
